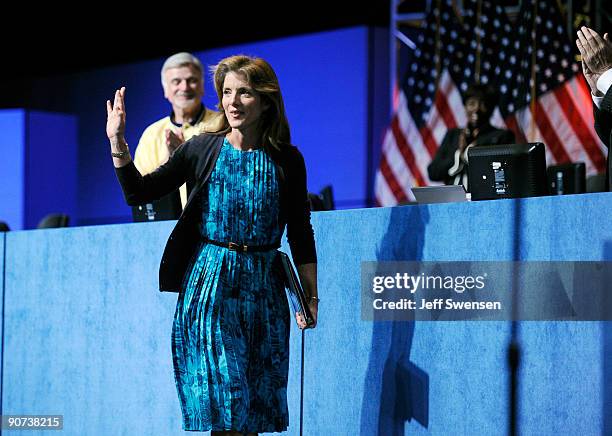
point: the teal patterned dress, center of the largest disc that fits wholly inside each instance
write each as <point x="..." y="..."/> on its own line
<point x="231" y="327"/>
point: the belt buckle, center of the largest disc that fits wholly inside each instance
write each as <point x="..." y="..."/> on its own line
<point x="236" y="247"/>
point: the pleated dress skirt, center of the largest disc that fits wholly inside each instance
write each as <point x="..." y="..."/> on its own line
<point x="230" y="336"/>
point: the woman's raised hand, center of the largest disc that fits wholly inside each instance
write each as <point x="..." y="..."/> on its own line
<point x="115" y="118"/>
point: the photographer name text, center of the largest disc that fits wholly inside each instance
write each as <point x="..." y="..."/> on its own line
<point x="435" y="304"/>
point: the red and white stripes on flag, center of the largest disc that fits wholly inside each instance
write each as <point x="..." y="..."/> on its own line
<point x="563" y="122"/>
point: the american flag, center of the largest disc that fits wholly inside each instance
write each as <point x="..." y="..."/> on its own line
<point x="482" y="45"/>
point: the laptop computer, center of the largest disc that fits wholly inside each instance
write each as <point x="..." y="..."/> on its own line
<point x="166" y="208"/>
<point x="439" y="194"/>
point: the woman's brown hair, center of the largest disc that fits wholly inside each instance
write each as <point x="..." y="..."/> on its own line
<point x="262" y="78"/>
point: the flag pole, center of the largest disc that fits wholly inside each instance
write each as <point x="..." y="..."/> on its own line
<point x="438" y="42"/>
<point x="532" y="105"/>
<point x="478" y="41"/>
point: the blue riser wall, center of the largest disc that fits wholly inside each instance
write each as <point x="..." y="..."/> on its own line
<point x="337" y="97"/>
<point x="87" y="335"/>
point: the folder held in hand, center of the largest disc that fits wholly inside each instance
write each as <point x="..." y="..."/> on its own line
<point x="299" y="301"/>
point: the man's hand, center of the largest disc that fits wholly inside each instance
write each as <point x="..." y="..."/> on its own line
<point x="173" y="140"/>
<point x="591" y="79"/>
<point x="596" y="55"/>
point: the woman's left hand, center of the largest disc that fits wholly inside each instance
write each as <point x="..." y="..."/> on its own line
<point x="314" y="309"/>
<point x="308" y="278"/>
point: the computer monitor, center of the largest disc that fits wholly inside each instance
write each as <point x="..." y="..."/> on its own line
<point x="507" y="171"/>
<point x="568" y="178"/>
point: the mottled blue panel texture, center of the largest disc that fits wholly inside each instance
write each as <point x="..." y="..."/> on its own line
<point x="87" y="334"/>
<point x="2" y="239"/>
<point x="389" y="378"/>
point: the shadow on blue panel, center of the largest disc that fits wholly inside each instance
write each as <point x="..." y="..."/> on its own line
<point x="607" y="357"/>
<point x="395" y="389"/>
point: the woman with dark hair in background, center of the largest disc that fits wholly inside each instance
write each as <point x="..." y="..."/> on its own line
<point x="451" y="161"/>
<point x="230" y="337"/>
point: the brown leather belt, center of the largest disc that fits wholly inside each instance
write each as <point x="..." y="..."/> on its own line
<point x="242" y="248"/>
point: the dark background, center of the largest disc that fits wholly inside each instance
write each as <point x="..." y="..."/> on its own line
<point x="46" y="41"/>
<point x="61" y="44"/>
<point x="42" y="42"/>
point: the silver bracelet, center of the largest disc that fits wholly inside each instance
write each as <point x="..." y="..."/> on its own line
<point x="122" y="154"/>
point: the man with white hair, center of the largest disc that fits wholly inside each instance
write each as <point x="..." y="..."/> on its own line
<point x="183" y="83"/>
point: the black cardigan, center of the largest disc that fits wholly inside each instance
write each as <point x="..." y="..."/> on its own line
<point x="193" y="163"/>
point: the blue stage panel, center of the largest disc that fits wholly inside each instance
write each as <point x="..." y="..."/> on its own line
<point x="51" y="168"/>
<point x="2" y="238"/>
<point x="40" y="177"/>
<point x="383" y="377"/>
<point x="87" y="334"/>
<point x="12" y="189"/>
